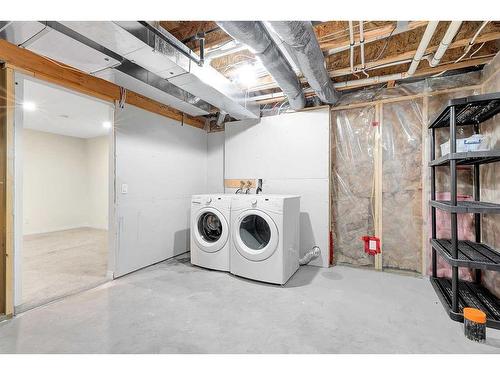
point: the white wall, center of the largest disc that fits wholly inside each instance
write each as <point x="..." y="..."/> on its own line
<point x="290" y="153"/>
<point x="215" y="162"/>
<point x="163" y="164"/>
<point x="97" y="149"/>
<point x="64" y="182"/>
<point x="54" y="182"/>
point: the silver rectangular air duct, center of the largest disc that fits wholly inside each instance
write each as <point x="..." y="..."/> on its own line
<point x="137" y="43"/>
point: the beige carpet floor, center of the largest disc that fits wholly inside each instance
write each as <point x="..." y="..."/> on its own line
<point x="60" y="263"/>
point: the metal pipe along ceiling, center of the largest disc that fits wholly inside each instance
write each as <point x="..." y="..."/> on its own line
<point x="299" y="35"/>
<point x="254" y="35"/>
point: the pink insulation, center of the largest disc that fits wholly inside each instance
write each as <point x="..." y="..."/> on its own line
<point x="443" y="225"/>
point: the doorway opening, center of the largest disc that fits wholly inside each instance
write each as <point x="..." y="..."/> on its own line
<point x="63" y="168"/>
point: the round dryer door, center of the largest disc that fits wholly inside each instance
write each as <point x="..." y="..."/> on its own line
<point x="255" y="235"/>
<point x="211" y="230"/>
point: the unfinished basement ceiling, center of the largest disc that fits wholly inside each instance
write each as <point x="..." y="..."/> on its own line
<point x="389" y="47"/>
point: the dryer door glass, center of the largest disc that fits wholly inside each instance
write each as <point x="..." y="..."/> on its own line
<point x="210" y="227"/>
<point x="255" y="232"/>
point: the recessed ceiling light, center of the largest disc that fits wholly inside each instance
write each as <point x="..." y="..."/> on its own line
<point x="106" y="125"/>
<point x="29" y="106"/>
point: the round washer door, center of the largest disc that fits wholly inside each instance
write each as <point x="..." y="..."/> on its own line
<point x="255" y="235"/>
<point x="211" y="230"/>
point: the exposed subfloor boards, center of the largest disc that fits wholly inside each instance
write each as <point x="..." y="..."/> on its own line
<point x="174" y="307"/>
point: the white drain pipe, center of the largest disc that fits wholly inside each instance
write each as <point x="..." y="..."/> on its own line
<point x="362" y="44"/>
<point x="351" y="46"/>
<point x="445" y="43"/>
<point x="424" y="43"/>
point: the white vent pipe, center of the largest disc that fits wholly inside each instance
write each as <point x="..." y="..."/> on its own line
<point x="351" y="46"/>
<point x="362" y="44"/>
<point x="447" y="39"/>
<point x="422" y="47"/>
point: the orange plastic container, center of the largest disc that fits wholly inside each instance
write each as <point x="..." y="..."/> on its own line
<point x="474" y="324"/>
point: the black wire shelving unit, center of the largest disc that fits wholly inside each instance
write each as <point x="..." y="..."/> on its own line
<point x="456" y="294"/>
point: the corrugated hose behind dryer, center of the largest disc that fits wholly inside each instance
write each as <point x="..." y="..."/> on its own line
<point x="310" y="255"/>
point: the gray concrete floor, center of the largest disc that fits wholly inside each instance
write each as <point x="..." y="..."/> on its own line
<point x="174" y="307"/>
<point x="59" y="263"/>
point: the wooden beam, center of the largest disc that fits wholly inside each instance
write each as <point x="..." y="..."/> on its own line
<point x="183" y="30"/>
<point x="55" y="72"/>
<point x="3" y="164"/>
<point x="377" y="183"/>
<point x="419" y="73"/>
<point x="369" y="35"/>
<point x="409" y="54"/>
<point x="7" y="103"/>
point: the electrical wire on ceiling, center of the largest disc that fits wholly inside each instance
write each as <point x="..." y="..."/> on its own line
<point x="33" y="36"/>
<point x="386" y="44"/>
<point x="472" y="41"/>
<point x="477" y="50"/>
<point x="321" y="38"/>
<point x="468" y="47"/>
<point x="281" y="106"/>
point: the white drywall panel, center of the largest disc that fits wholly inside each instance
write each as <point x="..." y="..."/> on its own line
<point x="162" y="164"/>
<point x="291" y="154"/>
<point x="215" y="162"/>
<point x="288" y="146"/>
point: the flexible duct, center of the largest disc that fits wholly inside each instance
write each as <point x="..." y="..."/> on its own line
<point x="254" y="35"/>
<point x="310" y="255"/>
<point x="299" y="35"/>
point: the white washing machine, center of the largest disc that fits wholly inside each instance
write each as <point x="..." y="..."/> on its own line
<point x="210" y="234"/>
<point x="265" y="237"/>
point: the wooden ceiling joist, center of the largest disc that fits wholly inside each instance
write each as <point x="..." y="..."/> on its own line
<point x="64" y="75"/>
<point x="388" y="48"/>
<point x="339" y="44"/>
<point x="410" y="54"/>
<point x="424" y="72"/>
<point x="186" y="30"/>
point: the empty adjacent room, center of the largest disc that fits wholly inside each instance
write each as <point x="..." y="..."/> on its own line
<point x="316" y="184"/>
<point x="63" y="162"/>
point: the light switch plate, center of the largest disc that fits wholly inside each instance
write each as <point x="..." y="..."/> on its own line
<point x="124" y="188"/>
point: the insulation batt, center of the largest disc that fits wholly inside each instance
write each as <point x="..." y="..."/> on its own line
<point x="402" y="185"/>
<point x="352" y="158"/>
<point x="490" y="178"/>
<point x="405" y="147"/>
